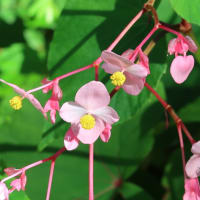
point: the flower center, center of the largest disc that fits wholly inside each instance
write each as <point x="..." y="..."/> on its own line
<point x="87" y="122"/>
<point x="16" y="102"/>
<point x="118" y="78"/>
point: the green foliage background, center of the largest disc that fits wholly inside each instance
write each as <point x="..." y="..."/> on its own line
<point x="42" y="38"/>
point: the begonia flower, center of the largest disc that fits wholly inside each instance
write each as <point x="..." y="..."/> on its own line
<point x="16" y="102"/>
<point x="182" y="64"/>
<point x="89" y="115"/>
<point x="4" y="193"/>
<point x="52" y="104"/>
<point x="125" y="73"/>
<point x="192" y="190"/>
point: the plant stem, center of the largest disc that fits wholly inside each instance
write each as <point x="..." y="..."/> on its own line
<point x="91" y="168"/>
<point x="171" y="111"/>
<point x="53" y="157"/>
<point x="169" y="30"/>
<point x="50" y="179"/>
<point x="182" y="147"/>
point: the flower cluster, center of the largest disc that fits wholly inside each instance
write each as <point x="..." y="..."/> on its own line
<point x="182" y="64"/>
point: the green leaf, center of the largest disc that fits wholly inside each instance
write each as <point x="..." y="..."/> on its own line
<point x="190" y="113"/>
<point x="131" y="191"/>
<point x="188" y="10"/>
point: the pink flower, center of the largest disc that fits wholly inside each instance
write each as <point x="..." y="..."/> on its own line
<point x="88" y="115"/>
<point x="16" y="104"/>
<point x="4" y="194"/>
<point x="52" y="104"/>
<point x="192" y="191"/>
<point x="125" y="72"/>
<point x="181" y="65"/>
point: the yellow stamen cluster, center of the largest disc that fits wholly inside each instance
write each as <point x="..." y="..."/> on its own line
<point x="87" y="122"/>
<point x="118" y="79"/>
<point x="16" y="102"/>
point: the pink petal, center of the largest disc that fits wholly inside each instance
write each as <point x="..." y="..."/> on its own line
<point x="133" y="85"/>
<point x="106" y="133"/>
<point x="51" y="104"/>
<point x="56" y="91"/>
<point x="23" y="180"/>
<point x="88" y="136"/>
<point x="192" y="191"/>
<point x="128" y="54"/>
<point x="17" y="89"/>
<point x="171" y="46"/>
<point x="71" y="112"/>
<point x="192" y="46"/>
<point x="144" y="60"/>
<point x="115" y="59"/>
<point x="137" y="70"/>
<point x="16" y="184"/>
<point x="4" y="193"/>
<point x="107" y="114"/>
<point x="53" y="116"/>
<point x="192" y="167"/>
<point x="110" y="69"/>
<point x="10" y="171"/>
<point x="46" y="89"/>
<point x="181" y="68"/>
<point x="36" y="103"/>
<point x="93" y="95"/>
<point x="196" y="148"/>
<point x="70" y="141"/>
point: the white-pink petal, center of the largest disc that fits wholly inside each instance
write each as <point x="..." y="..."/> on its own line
<point x="110" y="69"/>
<point x="115" y="59"/>
<point x="92" y="96"/>
<point x="71" y="112"/>
<point x="192" y="167"/>
<point x="196" y="148"/>
<point x="137" y="70"/>
<point x="181" y="68"/>
<point x="88" y="136"/>
<point x="133" y="84"/>
<point x="70" y="141"/>
<point x="4" y="194"/>
<point x="107" y="114"/>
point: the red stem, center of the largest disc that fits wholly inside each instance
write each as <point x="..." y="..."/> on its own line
<point x="169" y="29"/>
<point x="172" y="113"/>
<point x="182" y="146"/>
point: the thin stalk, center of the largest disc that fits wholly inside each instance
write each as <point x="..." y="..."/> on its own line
<point x="91" y="172"/>
<point x="50" y="179"/>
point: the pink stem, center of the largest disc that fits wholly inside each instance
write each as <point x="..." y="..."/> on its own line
<point x="182" y="147"/>
<point x="35" y="164"/>
<point x="121" y="35"/>
<point x="147" y="37"/>
<point x="50" y="179"/>
<point x="75" y="71"/>
<point x="91" y="165"/>
<point x="39" y="88"/>
<point x="169" y="30"/>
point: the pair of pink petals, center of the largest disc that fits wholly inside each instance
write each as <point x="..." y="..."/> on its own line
<point x="192" y="190"/>
<point x="26" y="95"/>
<point x="182" y="65"/>
<point x="92" y="98"/>
<point x="135" y="73"/>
